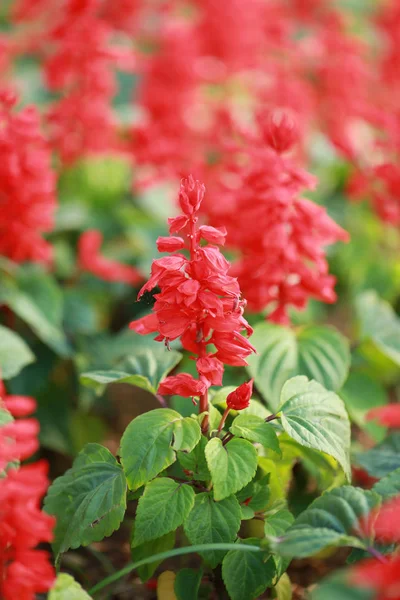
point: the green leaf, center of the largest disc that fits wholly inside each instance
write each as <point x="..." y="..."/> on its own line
<point x="283" y="589"/>
<point x="246" y="574"/>
<point x="383" y="458"/>
<point x="211" y="522"/>
<point x="88" y="501"/>
<point x="195" y="461"/>
<point x="187" y="584"/>
<point x="66" y="588"/>
<point x="277" y="523"/>
<point x="148" y="445"/>
<point x="333" y="519"/>
<point x="388" y="486"/>
<point x="340" y="586"/>
<point x="317" y="419"/>
<point x="379" y="323"/>
<point x="37" y="300"/>
<point x="231" y="466"/>
<point x="14" y="353"/>
<point x="145" y="370"/>
<point x="319" y="352"/>
<point x="161" y="544"/>
<point x="163" y="507"/>
<point x="361" y="393"/>
<point x="255" y="429"/>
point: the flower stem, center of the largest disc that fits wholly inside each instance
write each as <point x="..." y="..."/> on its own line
<point x="223" y="419"/>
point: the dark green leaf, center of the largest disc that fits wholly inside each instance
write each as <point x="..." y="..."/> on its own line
<point x="247" y="575"/>
<point x="361" y="393"/>
<point x="383" y="458"/>
<point x="195" y="461"/>
<point x="187" y="584"/>
<point x="161" y="544"/>
<point x="388" y="486"/>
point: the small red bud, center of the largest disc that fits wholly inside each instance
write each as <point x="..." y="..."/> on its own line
<point x="240" y="398"/>
<point x="280" y="130"/>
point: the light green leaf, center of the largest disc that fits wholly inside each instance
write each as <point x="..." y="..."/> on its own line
<point x="247" y="575"/>
<point x="14" y="353"/>
<point x="388" y="486"/>
<point x="164" y="506"/>
<point x="283" y="589"/>
<point x="212" y="522"/>
<point x="148" y="445"/>
<point x="333" y="519"/>
<point x="231" y="466"/>
<point x="195" y="461"/>
<point x="379" y="323"/>
<point x="145" y="370"/>
<point x="255" y="429"/>
<point x="277" y="523"/>
<point x="66" y="588"/>
<point x="187" y="584"/>
<point x="161" y="544"/>
<point x="88" y="501"/>
<point x="319" y="352"/>
<point x="361" y="393"/>
<point x="317" y="419"/>
<point x="37" y="300"/>
<point x="383" y="458"/>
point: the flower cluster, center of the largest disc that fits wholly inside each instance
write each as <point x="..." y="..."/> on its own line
<point x="199" y="302"/>
<point x="24" y="570"/>
<point x="91" y="260"/>
<point x="27" y="184"/>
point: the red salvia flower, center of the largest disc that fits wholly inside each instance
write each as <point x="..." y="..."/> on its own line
<point x="240" y="398"/>
<point x="388" y="415"/>
<point x="198" y="302"/>
<point x="24" y="570"/>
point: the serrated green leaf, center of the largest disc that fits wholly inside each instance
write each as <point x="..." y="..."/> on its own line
<point x="88" y="501"/>
<point x="379" y="323"/>
<point x="14" y="353"/>
<point x="187" y="584"/>
<point x="164" y="506"/>
<point x="211" y="522"/>
<point x="383" y="458"/>
<point x="255" y="429"/>
<point x="361" y="393"/>
<point x="318" y="352"/>
<point x="195" y="461"/>
<point x="316" y="418"/>
<point x="333" y="519"/>
<point x="231" y="466"/>
<point x="148" y="445"/>
<point x="247" y="575"/>
<point x="388" y="486"/>
<point x="277" y="523"/>
<point x="161" y="544"/>
<point x="66" y="588"/>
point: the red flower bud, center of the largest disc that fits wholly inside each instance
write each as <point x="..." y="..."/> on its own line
<point x="280" y="131"/>
<point x="191" y="195"/>
<point x="240" y="398"/>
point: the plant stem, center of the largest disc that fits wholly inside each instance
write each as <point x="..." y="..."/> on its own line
<point x="223" y="419"/>
<point x="376" y="554"/>
<point x="170" y="554"/>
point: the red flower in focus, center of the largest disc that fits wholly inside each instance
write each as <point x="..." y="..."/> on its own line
<point x="240" y="398"/>
<point x="91" y="260"/>
<point x="198" y="302"/>
<point x="27" y="184"/>
<point x="388" y="415"/>
<point x="24" y="571"/>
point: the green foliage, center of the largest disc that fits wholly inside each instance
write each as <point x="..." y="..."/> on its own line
<point x="388" y="486"/>
<point x="277" y="523"/>
<point x="383" y="458"/>
<point x="231" y="466"/>
<point x="320" y="353"/>
<point x="14" y="353"/>
<point x="164" y="506"/>
<point x="187" y="584"/>
<point x="338" y="586"/>
<point x="144" y="370"/>
<point x="88" y="501"/>
<point x="151" y="548"/>
<point x="66" y="588"/>
<point x="333" y="519"/>
<point x="379" y="322"/>
<point x="316" y="418"/>
<point x="255" y="429"/>
<point x="247" y="575"/>
<point x="361" y="393"/>
<point x="210" y="522"/>
<point x="150" y="442"/>
<point x="195" y="461"/>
